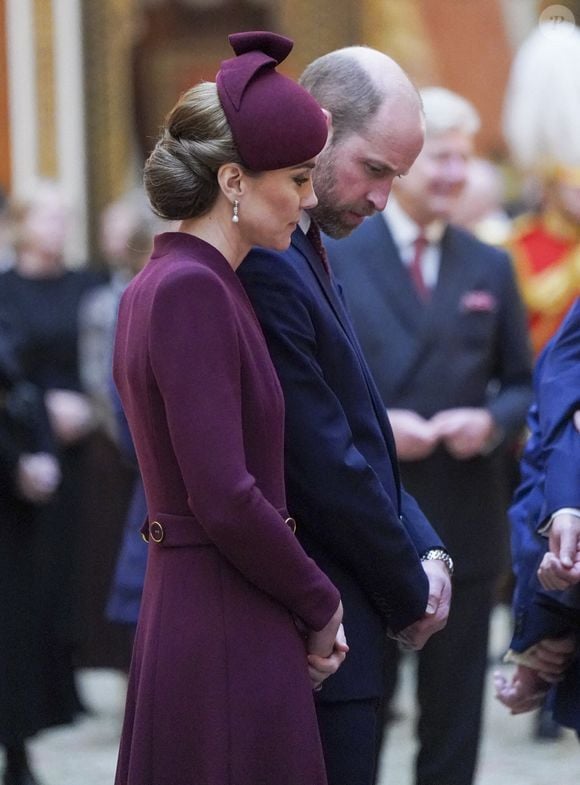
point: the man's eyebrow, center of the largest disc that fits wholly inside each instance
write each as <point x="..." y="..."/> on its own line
<point x="379" y="165"/>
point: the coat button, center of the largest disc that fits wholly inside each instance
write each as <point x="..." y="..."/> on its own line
<point x="156" y="532"/>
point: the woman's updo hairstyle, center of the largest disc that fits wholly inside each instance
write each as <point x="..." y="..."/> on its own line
<point x="180" y="175"/>
<point x="252" y="116"/>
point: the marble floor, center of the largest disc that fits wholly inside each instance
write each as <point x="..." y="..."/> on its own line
<point x="85" y="753"/>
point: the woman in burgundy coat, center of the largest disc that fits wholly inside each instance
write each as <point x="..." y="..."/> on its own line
<point x="237" y="624"/>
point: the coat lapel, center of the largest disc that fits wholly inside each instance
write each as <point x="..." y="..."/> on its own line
<point x="398" y="289"/>
<point x="302" y="244"/>
<point x="329" y="288"/>
<point x="391" y="283"/>
<point x="453" y="274"/>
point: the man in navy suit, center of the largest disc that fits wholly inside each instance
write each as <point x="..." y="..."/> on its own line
<point x="441" y="324"/>
<point x="343" y="483"/>
<point x="547" y="505"/>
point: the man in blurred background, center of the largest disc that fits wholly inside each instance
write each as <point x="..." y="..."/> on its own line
<point x="440" y="321"/>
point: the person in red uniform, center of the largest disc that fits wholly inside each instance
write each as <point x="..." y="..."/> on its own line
<point x="542" y="117"/>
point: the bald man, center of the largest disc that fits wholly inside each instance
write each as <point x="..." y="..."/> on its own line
<point x="343" y="486"/>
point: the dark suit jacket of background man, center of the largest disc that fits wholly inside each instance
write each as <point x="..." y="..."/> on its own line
<point x="466" y="347"/>
<point x="342" y="477"/>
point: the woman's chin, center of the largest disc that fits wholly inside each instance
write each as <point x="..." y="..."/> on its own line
<point x="277" y="243"/>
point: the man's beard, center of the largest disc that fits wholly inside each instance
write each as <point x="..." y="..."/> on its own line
<point x="329" y="212"/>
<point x="325" y="213"/>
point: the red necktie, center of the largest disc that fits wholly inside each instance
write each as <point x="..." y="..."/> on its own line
<point x="416" y="270"/>
<point x="313" y="235"/>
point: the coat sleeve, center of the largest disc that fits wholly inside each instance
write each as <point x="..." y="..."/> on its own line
<point x="196" y="361"/>
<point x="559" y="398"/>
<point x="418" y="527"/>
<point x="550" y="480"/>
<point x="420" y="531"/>
<point x="343" y="503"/>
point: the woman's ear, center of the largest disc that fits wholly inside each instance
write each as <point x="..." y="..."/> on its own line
<point x="230" y="178"/>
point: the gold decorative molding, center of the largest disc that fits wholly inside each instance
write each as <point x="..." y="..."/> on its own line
<point x="391" y="26"/>
<point x="396" y="28"/>
<point x="5" y="168"/>
<point x="318" y="28"/>
<point x="109" y="28"/>
<point x="47" y="155"/>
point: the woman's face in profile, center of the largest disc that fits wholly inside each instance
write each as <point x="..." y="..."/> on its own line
<point x="270" y="205"/>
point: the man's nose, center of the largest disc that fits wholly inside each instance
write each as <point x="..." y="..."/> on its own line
<point x="456" y="169"/>
<point x="379" y="196"/>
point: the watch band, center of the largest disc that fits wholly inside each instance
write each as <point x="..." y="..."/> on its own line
<point x="439" y="554"/>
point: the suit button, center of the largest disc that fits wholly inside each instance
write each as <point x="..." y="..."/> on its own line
<point x="156" y="532"/>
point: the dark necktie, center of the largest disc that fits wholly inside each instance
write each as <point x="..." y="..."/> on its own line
<point x="313" y="235"/>
<point x="416" y="269"/>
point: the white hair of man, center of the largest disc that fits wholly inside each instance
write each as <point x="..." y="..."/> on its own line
<point x="446" y="111"/>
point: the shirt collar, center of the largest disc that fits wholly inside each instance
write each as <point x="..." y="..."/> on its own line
<point x="404" y="230"/>
<point x="305" y="221"/>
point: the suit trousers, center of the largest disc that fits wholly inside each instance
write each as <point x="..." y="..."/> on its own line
<point x="450" y="686"/>
<point x="349" y="733"/>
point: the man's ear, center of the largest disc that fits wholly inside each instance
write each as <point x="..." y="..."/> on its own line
<point x="231" y="180"/>
<point x="328" y="116"/>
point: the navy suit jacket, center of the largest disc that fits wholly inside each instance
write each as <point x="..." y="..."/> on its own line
<point x="342" y="478"/>
<point x="550" y="480"/>
<point x="467" y="347"/>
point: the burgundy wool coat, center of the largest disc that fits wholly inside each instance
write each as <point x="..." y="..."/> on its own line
<point x="219" y="692"/>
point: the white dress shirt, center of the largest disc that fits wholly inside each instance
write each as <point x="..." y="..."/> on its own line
<point x="405" y="233"/>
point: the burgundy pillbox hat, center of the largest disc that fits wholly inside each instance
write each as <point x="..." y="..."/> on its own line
<point x="275" y="122"/>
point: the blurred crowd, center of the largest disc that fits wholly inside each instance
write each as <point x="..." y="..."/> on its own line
<point x="71" y="558"/>
<point x="66" y="475"/>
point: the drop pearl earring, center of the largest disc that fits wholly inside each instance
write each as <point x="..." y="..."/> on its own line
<point x="236" y="216"/>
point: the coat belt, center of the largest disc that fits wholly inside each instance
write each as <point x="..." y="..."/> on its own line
<point x="175" y="531"/>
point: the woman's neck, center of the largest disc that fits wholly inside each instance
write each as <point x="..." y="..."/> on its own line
<point x="217" y="228"/>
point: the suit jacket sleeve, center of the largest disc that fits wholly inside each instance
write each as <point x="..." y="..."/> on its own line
<point x="550" y="480"/>
<point x="418" y="527"/>
<point x="195" y="356"/>
<point x="345" y="506"/>
<point x="559" y="398"/>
